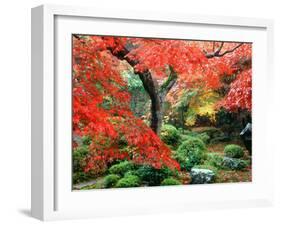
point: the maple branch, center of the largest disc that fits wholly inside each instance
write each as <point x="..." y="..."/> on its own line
<point x="76" y="36"/>
<point x="169" y="83"/>
<point x="217" y="52"/>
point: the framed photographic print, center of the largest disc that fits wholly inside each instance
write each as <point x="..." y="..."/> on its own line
<point x="138" y="112"/>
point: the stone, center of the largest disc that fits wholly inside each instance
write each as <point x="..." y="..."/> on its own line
<point x="202" y="176"/>
<point x="234" y="164"/>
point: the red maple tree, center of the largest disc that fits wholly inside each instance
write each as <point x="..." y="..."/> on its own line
<point x="101" y="99"/>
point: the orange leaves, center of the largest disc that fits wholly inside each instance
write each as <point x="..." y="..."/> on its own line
<point x="101" y="101"/>
<point x="240" y="93"/>
<point x="101" y="108"/>
<point x="155" y="55"/>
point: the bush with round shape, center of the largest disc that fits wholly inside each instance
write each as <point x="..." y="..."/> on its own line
<point x="191" y="152"/>
<point x="128" y="181"/>
<point x="131" y="172"/>
<point x="169" y="135"/>
<point x="111" y="180"/>
<point x="233" y="151"/>
<point x="170" y="181"/>
<point x="121" y="168"/>
<point x="215" y="160"/>
<point x="152" y="176"/>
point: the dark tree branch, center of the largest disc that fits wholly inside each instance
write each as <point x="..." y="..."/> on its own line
<point x="169" y="83"/>
<point x="157" y="94"/>
<point x="76" y="36"/>
<point x="217" y="52"/>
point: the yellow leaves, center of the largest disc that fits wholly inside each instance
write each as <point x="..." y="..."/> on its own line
<point x="203" y="104"/>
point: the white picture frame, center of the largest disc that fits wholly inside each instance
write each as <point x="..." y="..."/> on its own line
<point x="52" y="197"/>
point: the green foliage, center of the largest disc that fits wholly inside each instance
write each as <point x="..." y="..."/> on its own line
<point x="128" y="181"/>
<point x="131" y="172"/>
<point x="204" y="137"/>
<point x="79" y="177"/>
<point x="172" y="76"/>
<point x="86" y="140"/>
<point x="214" y="159"/>
<point x="140" y="100"/>
<point x="79" y="155"/>
<point x="121" y="168"/>
<point x="184" y="137"/>
<point x="152" y="176"/>
<point x="170" y="181"/>
<point x="111" y="180"/>
<point x="185" y="99"/>
<point x="233" y="151"/>
<point x="170" y="135"/>
<point x="79" y="162"/>
<point x="191" y="152"/>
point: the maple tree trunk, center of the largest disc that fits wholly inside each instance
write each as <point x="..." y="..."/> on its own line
<point x="157" y="94"/>
<point x="157" y="106"/>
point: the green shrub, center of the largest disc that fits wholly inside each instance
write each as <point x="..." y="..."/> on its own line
<point x="215" y="160"/>
<point x="204" y="137"/>
<point x="152" y="176"/>
<point x="128" y="181"/>
<point x="211" y="131"/>
<point x="78" y="157"/>
<point x="131" y="172"/>
<point x="191" y="152"/>
<point x="170" y="135"/>
<point x="184" y="137"/>
<point x="121" y="168"/>
<point x="79" y="177"/>
<point x="86" y="140"/>
<point x="170" y="181"/>
<point x="233" y="151"/>
<point x="111" y="180"/>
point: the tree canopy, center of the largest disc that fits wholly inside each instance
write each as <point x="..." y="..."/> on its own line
<point x="101" y="97"/>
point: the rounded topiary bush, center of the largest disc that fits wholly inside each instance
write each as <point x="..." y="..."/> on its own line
<point x="191" y="152"/>
<point x="170" y="135"/>
<point x="111" y="180"/>
<point x="233" y="151"/>
<point x="121" y="168"/>
<point x="129" y="181"/>
<point x="170" y="181"/>
<point x="152" y="176"/>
